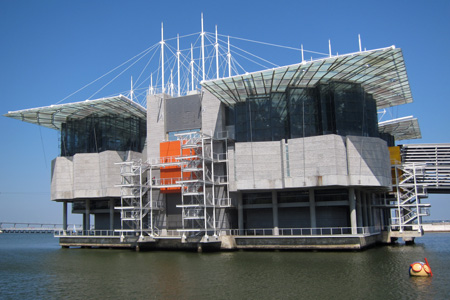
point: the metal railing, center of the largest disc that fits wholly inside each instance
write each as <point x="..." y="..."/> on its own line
<point x="269" y="232"/>
<point x="321" y="231"/>
<point x="14" y="227"/>
<point x="89" y="233"/>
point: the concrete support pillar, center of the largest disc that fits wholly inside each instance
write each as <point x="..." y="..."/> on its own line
<point x="64" y="216"/>
<point x="352" y="205"/>
<point x="275" y="212"/>
<point x="365" y="215"/>
<point x="87" y="216"/>
<point x="359" y="208"/>
<point x="371" y="198"/>
<point x="240" y="214"/>
<point x="312" y="209"/>
<point x="111" y="214"/>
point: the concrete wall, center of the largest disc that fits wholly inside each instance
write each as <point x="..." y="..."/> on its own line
<point x="88" y="175"/>
<point x="213" y="120"/>
<point x="156" y="129"/>
<point x="328" y="160"/>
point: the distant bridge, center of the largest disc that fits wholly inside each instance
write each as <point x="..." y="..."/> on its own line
<point x="13" y="227"/>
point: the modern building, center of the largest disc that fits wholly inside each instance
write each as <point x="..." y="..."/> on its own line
<point x="286" y="158"/>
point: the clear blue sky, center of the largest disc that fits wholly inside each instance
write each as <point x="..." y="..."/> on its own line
<point x="49" y="49"/>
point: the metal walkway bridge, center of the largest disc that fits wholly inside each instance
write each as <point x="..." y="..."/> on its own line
<point x="13" y="227"/>
<point x="422" y="169"/>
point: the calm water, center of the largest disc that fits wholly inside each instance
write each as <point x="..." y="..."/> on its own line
<point x="33" y="266"/>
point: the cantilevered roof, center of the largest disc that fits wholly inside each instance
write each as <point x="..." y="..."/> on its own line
<point x="54" y="115"/>
<point x="406" y="128"/>
<point x="381" y="72"/>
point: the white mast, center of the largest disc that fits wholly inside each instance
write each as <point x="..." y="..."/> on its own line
<point x="151" y="84"/>
<point x="192" y="67"/>
<point x="171" y="83"/>
<point x="217" y="56"/>
<point x="203" y="51"/>
<point x="162" y="57"/>
<point x="303" y="57"/>
<point x="329" y="46"/>
<point x="178" y="64"/>
<point x="359" y="39"/>
<point x="229" y="58"/>
<point x="131" y="91"/>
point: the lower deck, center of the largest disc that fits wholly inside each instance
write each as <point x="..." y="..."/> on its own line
<point x="262" y="239"/>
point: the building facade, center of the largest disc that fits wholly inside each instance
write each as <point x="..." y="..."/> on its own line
<point x="284" y="158"/>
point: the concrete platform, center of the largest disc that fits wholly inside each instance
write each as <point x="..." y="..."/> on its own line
<point x="230" y="243"/>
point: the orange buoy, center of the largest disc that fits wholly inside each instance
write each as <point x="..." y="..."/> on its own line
<point x="419" y="268"/>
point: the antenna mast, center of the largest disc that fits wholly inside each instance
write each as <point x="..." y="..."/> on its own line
<point x="162" y="57"/>
<point x="178" y="63"/>
<point x="217" y="56"/>
<point x="192" y="67"/>
<point x="131" y="91"/>
<point x="359" y="39"/>
<point x="203" y="51"/>
<point x="229" y="58"/>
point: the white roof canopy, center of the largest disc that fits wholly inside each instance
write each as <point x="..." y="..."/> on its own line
<point x="406" y="128"/>
<point x="54" y="115"/>
<point x="381" y="72"/>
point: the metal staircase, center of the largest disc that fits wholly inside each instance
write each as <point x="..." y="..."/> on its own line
<point x="424" y="169"/>
<point x="197" y="185"/>
<point x="203" y="193"/>
<point x="136" y="205"/>
<point x="408" y="209"/>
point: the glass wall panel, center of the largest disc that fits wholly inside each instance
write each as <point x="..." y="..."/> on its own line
<point x="96" y="134"/>
<point x="330" y="108"/>
<point x="303" y="112"/>
<point x="278" y="116"/>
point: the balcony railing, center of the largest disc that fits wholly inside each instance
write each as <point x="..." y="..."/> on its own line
<point x="268" y="232"/>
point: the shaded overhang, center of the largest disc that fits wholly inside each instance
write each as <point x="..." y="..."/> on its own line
<point x="406" y="128"/>
<point x="54" y="115"/>
<point x="381" y="72"/>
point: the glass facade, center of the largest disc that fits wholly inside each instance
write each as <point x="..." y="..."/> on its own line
<point x="96" y="134"/>
<point x="333" y="108"/>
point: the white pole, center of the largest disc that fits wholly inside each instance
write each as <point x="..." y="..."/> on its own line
<point x="131" y="91"/>
<point x="359" y="38"/>
<point x="162" y="57"/>
<point x="303" y="57"/>
<point x="192" y="67"/>
<point x="171" y="83"/>
<point x="329" y="46"/>
<point x="178" y="64"/>
<point x="229" y="58"/>
<point x="151" y="84"/>
<point x="203" y="51"/>
<point x="217" y="56"/>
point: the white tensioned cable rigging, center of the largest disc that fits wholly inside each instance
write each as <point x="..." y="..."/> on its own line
<point x="118" y="75"/>
<point x="112" y="70"/>
<point x="275" y="45"/>
<point x="215" y="54"/>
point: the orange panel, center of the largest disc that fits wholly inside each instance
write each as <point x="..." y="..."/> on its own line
<point x="168" y="151"/>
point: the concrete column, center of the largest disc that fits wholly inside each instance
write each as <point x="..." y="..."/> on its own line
<point x="64" y="215"/>
<point x="87" y="215"/>
<point x="364" y="201"/>
<point x="359" y="208"/>
<point x="240" y="214"/>
<point x="352" y="205"/>
<point x="370" y="200"/>
<point x="111" y="214"/>
<point x="275" y="212"/>
<point x="312" y="209"/>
